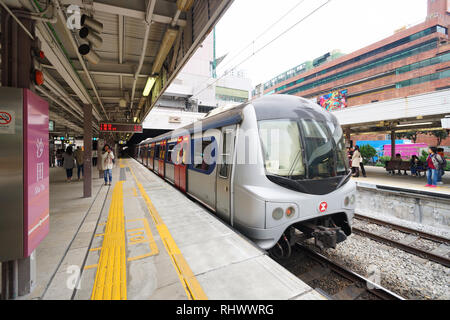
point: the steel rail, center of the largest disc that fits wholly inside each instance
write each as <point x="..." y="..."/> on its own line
<point x="422" y="234"/>
<point x="405" y="247"/>
<point x="377" y="290"/>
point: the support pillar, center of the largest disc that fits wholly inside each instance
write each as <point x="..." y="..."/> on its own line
<point x="17" y="61"/>
<point x="392" y="145"/>
<point x="348" y="138"/>
<point x="87" y="181"/>
<point x="16" y="64"/>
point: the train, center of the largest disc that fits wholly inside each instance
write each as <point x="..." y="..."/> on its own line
<point x="275" y="169"/>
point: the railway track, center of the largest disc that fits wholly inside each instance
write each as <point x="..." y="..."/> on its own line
<point x="439" y="254"/>
<point x="332" y="280"/>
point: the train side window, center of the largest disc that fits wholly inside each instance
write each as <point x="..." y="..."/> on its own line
<point x="169" y="154"/>
<point x="200" y="159"/>
<point x="226" y="154"/>
<point x="157" y="151"/>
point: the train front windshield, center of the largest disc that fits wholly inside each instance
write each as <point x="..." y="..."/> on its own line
<point x="304" y="150"/>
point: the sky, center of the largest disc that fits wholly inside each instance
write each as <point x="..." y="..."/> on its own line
<point x="247" y="29"/>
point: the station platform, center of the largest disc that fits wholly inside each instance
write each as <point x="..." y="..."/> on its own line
<point x="404" y="199"/>
<point x="143" y="239"/>
<point x="379" y="176"/>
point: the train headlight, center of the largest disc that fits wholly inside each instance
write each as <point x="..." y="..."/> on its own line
<point x="346" y="201"/>
<point x="277" y="214"/>
<point x="352" y="199"/>
<point x="290" y="212"/>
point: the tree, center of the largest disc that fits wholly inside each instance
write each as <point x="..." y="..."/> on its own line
<point x="441" y="135"/>
<point x="410" y="135"/>
<point x="367" y="152"/>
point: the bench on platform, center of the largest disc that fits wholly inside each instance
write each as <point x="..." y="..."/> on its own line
<point x="393" y="165"/>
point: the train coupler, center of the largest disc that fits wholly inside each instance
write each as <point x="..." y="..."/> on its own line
<point x="328" y="237"/>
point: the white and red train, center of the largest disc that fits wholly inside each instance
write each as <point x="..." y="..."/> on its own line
<point x="269" y="168"/>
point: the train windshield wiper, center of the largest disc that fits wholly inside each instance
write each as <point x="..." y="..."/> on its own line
<point x="294" y="163"/>
<point x="344" y="179"/>
<point x="289" y="183"/>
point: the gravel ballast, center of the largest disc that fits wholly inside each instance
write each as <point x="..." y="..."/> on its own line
<point x="403" y="273"/>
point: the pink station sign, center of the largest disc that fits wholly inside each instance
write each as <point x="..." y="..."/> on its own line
<point x="36" y="171"/>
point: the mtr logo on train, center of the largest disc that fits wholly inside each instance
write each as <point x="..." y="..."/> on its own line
<point x="323" y="207"/>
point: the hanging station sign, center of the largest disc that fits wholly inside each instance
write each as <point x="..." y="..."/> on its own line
<point x="121" y="127"/>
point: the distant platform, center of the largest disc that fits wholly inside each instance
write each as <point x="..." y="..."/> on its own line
<point x="379" y="177"/>
<point x="405" y="198"/>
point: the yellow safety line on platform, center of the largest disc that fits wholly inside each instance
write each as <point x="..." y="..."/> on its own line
<point x="150" y="240"/>
<point x="110" y="280"/>
<point x="188" y="280"/>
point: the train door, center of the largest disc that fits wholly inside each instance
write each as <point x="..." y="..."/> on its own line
<point x="162" y="157"/>
<point x="151" y="156"/>
<point x="145" y="162"/>
<point x="223" y="181"/>
<point x="146" y="155"/>
<point x="181" y="163"/>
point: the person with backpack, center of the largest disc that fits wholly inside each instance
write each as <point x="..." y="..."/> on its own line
<point x="69" y="162"/>
<point x="434" y="162"/>
<point x="441" y="172"/>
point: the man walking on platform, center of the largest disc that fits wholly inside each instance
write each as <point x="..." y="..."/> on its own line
<point x="79" y="157"/>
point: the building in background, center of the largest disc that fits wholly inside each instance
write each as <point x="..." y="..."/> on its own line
<point x="197" y="90"/>
<point x="414" y="60"/>
<point x="272" y="86"/>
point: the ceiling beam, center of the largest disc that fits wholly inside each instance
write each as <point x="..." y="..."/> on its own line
<point x="122" y="10"/>
<point x="106" y="71"/>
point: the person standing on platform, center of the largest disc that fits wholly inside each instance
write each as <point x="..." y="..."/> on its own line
<point x="108" y="164"/>
<point x="441" y="171"/>
<point x="94" y="157"/>
<point x="79" y="156"/>
<point x="356" y="161"/>
<point x="349" y="156"/>
<point x="433" y="164"/>
<point x="361" y="163"/>
<point x="68" y="163"/>
<point x="59" y="155"/>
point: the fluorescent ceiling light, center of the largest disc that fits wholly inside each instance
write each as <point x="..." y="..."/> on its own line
<point x="122" y="103"/>
<point x="166" y="45"/>
<point x="148" y="87"/>
<point x="184" y="5"/>
<point x="414" y="124"/>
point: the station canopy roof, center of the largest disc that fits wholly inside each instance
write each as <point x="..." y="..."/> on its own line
<point x="418" y="112"/>
<point x="144" y="43"/>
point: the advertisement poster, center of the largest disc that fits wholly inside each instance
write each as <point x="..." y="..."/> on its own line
<point x="334" y="101"/>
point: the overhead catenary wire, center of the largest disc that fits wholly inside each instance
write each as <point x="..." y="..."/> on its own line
<point x="265" y="46"/>
<point x="264" y="32"/>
